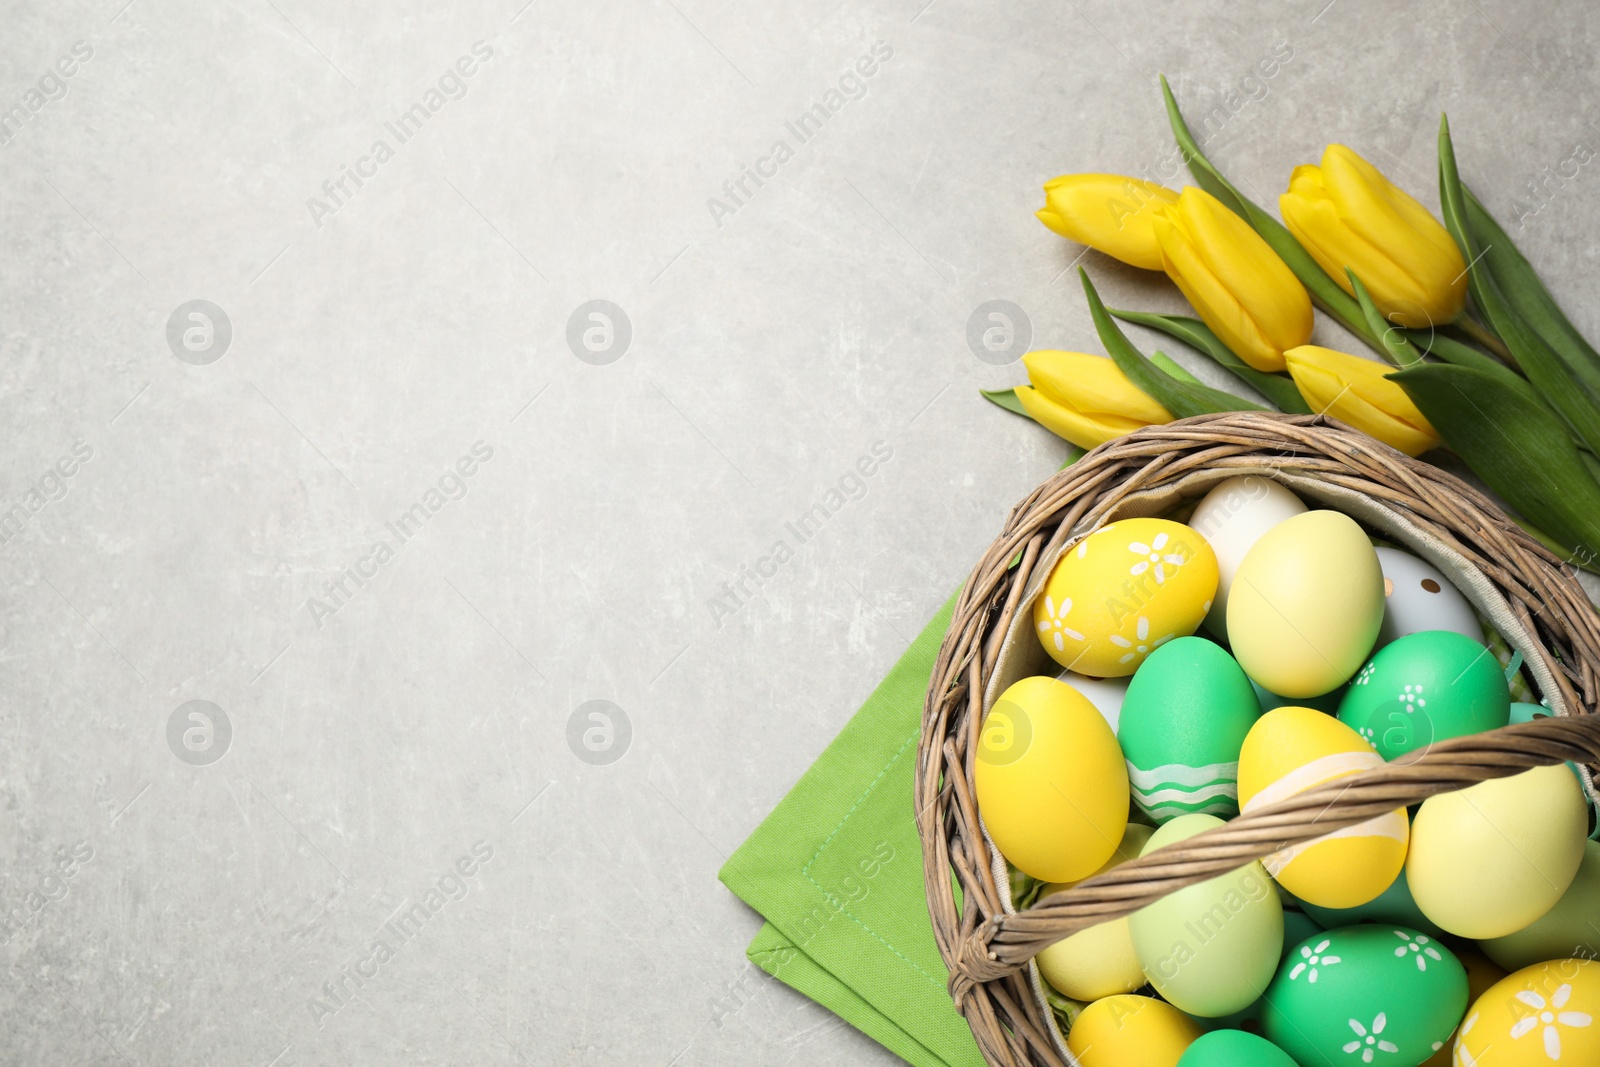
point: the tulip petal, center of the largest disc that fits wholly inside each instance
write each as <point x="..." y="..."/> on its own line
<point x="1082" y="430"/>
<point x="1235" y="253"/>
<point x="1343" y="400"/>
<point x="1090" y="384"/>
<point x="1107" y="212"/>
<point x="1336" y="246"/>
<point x="1389" y="218"/>
<point x="1212" y="300"/>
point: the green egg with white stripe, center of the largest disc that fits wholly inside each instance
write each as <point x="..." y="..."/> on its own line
<point x="1184" y="719"/>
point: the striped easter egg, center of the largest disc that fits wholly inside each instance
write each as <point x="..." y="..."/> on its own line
<point x="1291" y="749"/>
<point x="1184" y="719"/>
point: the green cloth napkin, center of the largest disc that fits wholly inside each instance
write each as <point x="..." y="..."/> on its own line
<point x="836" y="869"/>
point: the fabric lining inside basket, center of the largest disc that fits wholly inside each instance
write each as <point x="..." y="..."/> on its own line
<point x="1022" y="656"/>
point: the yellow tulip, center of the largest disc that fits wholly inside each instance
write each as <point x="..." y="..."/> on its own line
<point x="1233" y="278"/>
<point x="1084" y="398"/>
<point x="1358" y="391"/>
<point x="1347" y="214"/>
<point x="1107" y="212"/>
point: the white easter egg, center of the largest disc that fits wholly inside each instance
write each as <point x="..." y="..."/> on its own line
<point x="1417" y="597"/>
<point x="1232" y="517"/>
<point x="1106" y="694"/>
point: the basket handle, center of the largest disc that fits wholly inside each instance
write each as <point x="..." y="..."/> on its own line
<point x="1003" y="944"/>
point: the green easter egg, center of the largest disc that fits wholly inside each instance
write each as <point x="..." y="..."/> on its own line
<point x="1425" y="687"/>
<point x="1393" y="906"/>
<point x="1382" y="995"/>
<point x="1234" y="1048"/>
<point x="1183" y="721"/>
<point x="1209" y="949"/>
<point x="1328" y="702"/>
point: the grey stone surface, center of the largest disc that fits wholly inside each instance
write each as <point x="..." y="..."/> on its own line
<point x="381" y="734"/>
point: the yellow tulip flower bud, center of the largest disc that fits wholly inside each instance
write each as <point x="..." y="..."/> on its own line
<point x="1358" y="391"/>
<point x="1347" y="214"/>
<point x="1084" y="398"/>
<point x="1108" y="213"/>
<point x="1234" y="280"/>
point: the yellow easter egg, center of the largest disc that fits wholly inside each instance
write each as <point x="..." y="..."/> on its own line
<point x="1122" y="592"/>
<point x="1100" y="961"/>
<point x="1289" y="750"/>
<point x="1124" y="1030"/>
<point x="1547" y="1014"/>
<point x="1306" y="604"/>
<point x="1491" y="859"/>
<point x="1051" y="782"/>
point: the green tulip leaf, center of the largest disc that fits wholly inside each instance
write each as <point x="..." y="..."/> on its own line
<point x="1006" y="398"/>
<point x="1173" y="368"/>
<point x="1198" y="336"/>
<point x="1323" y="289"/>
<point x="1522" y="289"/>
<point x="1181" y="398"/>
<point x="1572" y="391"/>
<point x="1394" y="345"/>
<point x="1516" y="445"/>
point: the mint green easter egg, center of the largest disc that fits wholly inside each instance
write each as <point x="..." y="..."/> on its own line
<point x="1381" y="995"/>
<point x="1183" y="721"/>
<point x="1234" y="1048"/>
<point x="1425" y="687"/>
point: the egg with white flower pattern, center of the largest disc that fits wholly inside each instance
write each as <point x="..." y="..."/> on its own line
<point x="1382" y="995"/>
<point x="1544" y="1014"/>
<point x="1122" y="592"/>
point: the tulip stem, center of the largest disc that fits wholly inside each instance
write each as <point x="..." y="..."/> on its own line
<point x="1485" y="337"/>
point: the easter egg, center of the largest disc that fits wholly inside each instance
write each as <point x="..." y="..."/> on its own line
<point x="1122" y="592"/>
<point x="1328" y="702"/>
<point x="1570" y="928"/>
<point x="1288" y="751"/>
<point x="1306" y="604"/>
<point x="1106" y="694"/>
<point x="1545" y="1014"/>
<point x="1123" y="1030"/>
<point x="1417" y="597"/>
<point x="1481" y="974"/>
<point x="1209" y="949"/>
<point x="1100" y="961"/>
<point x="1232" y="517"/>
<point x="1183" y="721"/>
<point x="1051" y="783"/>
<point x="1297" y="926"/>
<point x="1490" y="859"/>
<point x="1393" y="906"/>
<point x="1234" y="1048"/>
<point x="1423" y="688"/>
<point x="1383" y="995"/>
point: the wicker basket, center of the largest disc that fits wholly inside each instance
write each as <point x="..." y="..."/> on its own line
<point x="1511" y="579"/>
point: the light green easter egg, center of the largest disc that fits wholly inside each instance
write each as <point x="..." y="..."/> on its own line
<point x="1571" y="928"/>
<point x="1183" y="720"/>
<point x="1389" y="991"/>
<point x="1209" y="949"/>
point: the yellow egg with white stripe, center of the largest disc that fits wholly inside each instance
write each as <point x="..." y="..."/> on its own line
<point x="1289" y="750"/>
